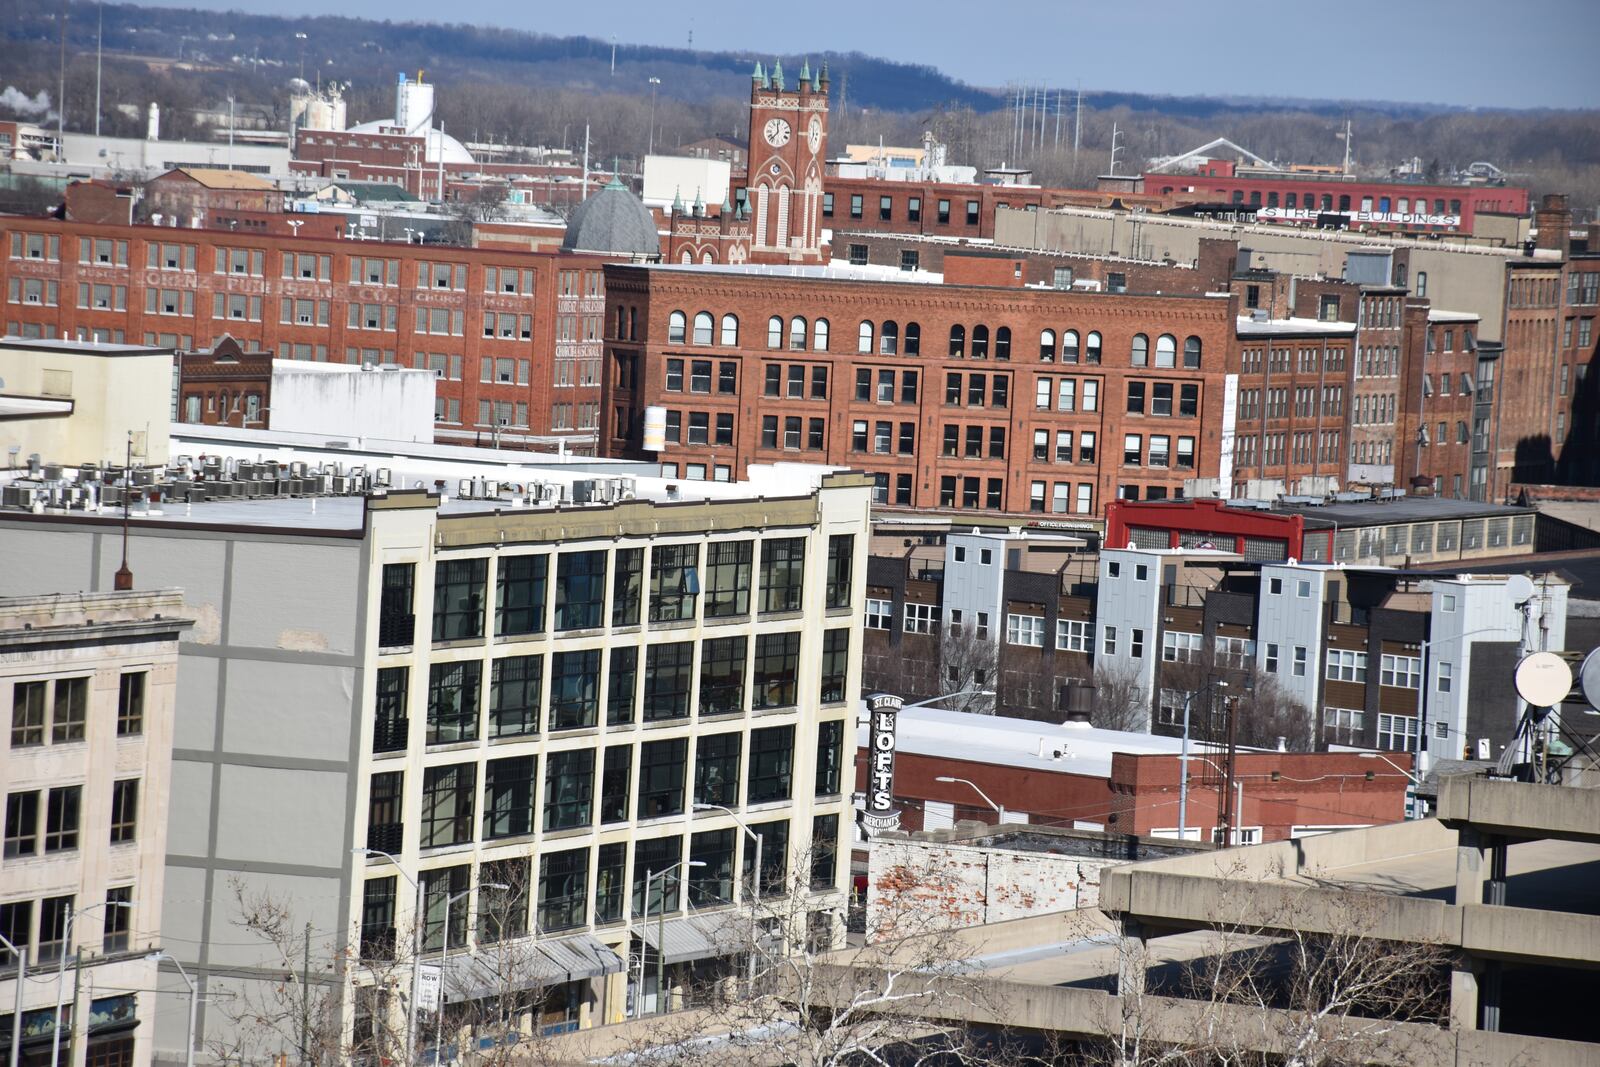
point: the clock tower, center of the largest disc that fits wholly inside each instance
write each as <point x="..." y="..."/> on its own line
<point x="788" y="151"/>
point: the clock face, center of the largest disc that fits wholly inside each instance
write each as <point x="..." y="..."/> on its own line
<point x="814" y="134"/>
<point x="777" y="132"/>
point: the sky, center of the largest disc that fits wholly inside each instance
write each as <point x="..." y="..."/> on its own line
<point x="1474" y="53"/>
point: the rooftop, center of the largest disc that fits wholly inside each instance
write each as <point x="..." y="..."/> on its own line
<point x="1397" y="510"/>
<point x="87" y="348"/>
<point x="1293" y="327"/>
<point x="1441" y="315"/>
<point x="217" y="178"/>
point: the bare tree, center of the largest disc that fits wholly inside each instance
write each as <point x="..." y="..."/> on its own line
<point x="1224" y="681"/>
<point x="970" y="669"/>
<point x="1120" y="703"/>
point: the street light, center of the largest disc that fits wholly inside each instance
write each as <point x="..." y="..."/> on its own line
<point x="661" y="935"/>
<point x="438" y="1014"/>
<point x="755" y="882"/>
<point x="1183" y="760"/>
<point x="416" y="947"/>
<point x="194" y="1001"/>
<point x="1416" y="783"/>
<point x="61" y="969"/>
<point x="949" y="696"/>
<point x="998" y="810"/>
<point x="16" y="1013"/>
<point x="1238" y="793"/>
<point x="654" y="82"/>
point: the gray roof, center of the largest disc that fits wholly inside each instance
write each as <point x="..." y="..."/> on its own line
<point x="612" y="220"/>
<point x="1402" y="510"/>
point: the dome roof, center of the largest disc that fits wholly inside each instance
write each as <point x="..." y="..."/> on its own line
<point x="438" y="143"/>
<point x="613" y="220"/>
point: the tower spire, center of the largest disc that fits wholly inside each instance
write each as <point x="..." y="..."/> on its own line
<point x="777" y="74"/>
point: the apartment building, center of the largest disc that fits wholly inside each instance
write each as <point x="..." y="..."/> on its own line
<point x="516" y="702"/>
<point x="513" y="336"/>
<point x="85" y="770"/>
<point x="982" y="396"/>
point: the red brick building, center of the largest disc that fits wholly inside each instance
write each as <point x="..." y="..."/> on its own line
<point x="514" y="336"/>
<point x="955" y="396"/>
<point x="1292" y="416"/>
<point x="188" y="197"/>
<point x="224" y="385"/>
<point x="788" y="149"/>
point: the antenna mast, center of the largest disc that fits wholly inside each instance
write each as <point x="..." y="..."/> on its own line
<point x="124" y="578"/>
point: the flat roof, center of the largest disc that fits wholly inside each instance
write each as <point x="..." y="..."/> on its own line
<point x="1292" y="326"/>
<point x="88" y="348"/>
<point x="1401" y="509"/>
<point x="1441" y="315"/>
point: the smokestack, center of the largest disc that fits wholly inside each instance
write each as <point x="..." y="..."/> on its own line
<point x="1553" y="219"/>
<point x="152" y="130"/>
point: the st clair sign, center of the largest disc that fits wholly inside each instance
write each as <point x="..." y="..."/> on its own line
<point x="881" y="815"/>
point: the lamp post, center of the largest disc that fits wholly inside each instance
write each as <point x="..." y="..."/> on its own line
<point x="1410" y="776"/>
<point x="654" y="83"/>
<point x="194" y="1001"/>
<point x="755" y="882"/>
<point x="16" y="1011"/>
<point x="661" y="935"/>
<point x="998" y="810"/>
<point x="949" y="696"/>
<point x="438" y="1015"/>
<point x="1183" y="760"/>
<point x="416" y="948"/>
<point x="1238" y="793"/>
<point x="61" y="970"/>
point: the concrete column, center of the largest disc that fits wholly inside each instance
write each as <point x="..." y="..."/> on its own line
<point x="1131" y="964"/>
<point x="1464" y="994"/>
<point x="1471" y="867"/>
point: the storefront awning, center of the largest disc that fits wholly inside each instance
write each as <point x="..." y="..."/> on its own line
<point x="527" y="963"/>
<point x="698" y="937"/>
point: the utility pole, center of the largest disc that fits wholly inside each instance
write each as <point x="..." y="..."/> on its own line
<point x="1225" y="799"/>
<point x="77" y="991"/>
<point x="99" y="53"/>
<point x="305" y="1003"/>
<point x="124" y="576"/>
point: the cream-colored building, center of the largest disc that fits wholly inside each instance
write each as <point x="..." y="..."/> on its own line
<point x="533" y="691"/>
<point x="73" y="402"/>
<point x="87" y="681"/>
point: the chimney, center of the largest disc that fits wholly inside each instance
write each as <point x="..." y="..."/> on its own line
<point x="1552" y="219"/>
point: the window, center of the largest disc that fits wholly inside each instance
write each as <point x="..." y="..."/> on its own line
<point x="835" y="664"/>
<point x="1166" y="350"/>
<point x="702" y="328"/>
<point x="782" y="574"/>
<point x="1397" y="733"/>
<point x="124" y="810"/>
<point x="568" y="789"/>
<point x="1074" y="636"/>
<point x="1179" y="647"/>
<point x="722" y="662"/>
<point x="668" y="675"/>
<point x="730" y="333"/>
<point x="674" y="582"/>
<point x="1344" y="666"/>
<point x="445" y="907"/>
<point x="661" y="775"/>
<point x="727" y="585"/>
<point x="771" y="764"/>
<point x="508" y="797"/>
<point x="841" y="557"/>
<point x="1025" y="630"/>
<point x="447" y="794"/>
<point x="563" y="889"/>
<point x="958" y="341"/>
<point x="1109" y="644"/>
<point x="385" y="800"/>
<point x="458" y="599"/>
<point x="520" y="594"/>
<point x="880" y="614"/>
<point x="711" y="883"/>
<point x="574" y="689"/>
<point x="1404" y="672"/>
<point x="1446" y="677"/>
<point x="775" y="332"/>
<point x="1140" y="350"/>
<point x="580" y="589"/>
<point x="980" y="342"/>
<point x="819" y="336"/>
<point x="621" y="682"/>
<point x="1191" y="352"/>
<point x="22" y="825"/>
<point x="921" y="618"/>
<point x="71" y="710"/>
<point x="716" y="770"/>
<point x="777" y="663"/>
<point x="54" y="914"/>
<point x="1235" y="652"/>
<point x="130" y="704"/>
<point x="676" y="323"/>
<point x="972" y="212"/>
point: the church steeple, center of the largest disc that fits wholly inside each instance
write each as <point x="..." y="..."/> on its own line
<point x="805" y="72"/>
<point x="759" y="76"/>
<point x="777" y="74"/>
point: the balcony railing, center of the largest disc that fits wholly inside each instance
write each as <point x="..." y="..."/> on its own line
<point x="386" y="838"/>
<point x="397" y="631"/>
<point x="390" y="735"/>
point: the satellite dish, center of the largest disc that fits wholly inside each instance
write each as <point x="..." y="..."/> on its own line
<point x="1589" y="678"/>
<point x="1543" y="679"/>
<point x="1520" y="586"/>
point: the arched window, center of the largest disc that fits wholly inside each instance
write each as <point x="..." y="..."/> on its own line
<point x="622" y="323"/>
<point x="1047" y="346"/>
<point x="819" y="336"/>
<point x="1422" y="283"/>
<point x="913" y="339"/>
<point x="1166" y="350"/>
<point x="1091" y="347"/>
<point x="1141" y="350"/>
<point x="705" y="257"/>
<point x="889" y="338"/>
<point x="1002" y="343"/>
<point x="730" y="330"/>
<point x="702" y="327"/>
<point x="864" y="338"/>
<point x="687" y="257"/>
<point x="797" y="334"/>
<point x="980" y="342"/>
<point x="958" y="341"/>
<point x="1400" y="274"/>
<point x="1069" y="347"/>
<point x="675" y="327"/>
<point x="775" y="332"/>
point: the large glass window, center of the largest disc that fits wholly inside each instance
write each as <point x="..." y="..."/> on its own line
<point x="447" y="794"/>
<point x="830" y="756"/>
<point x="667" y="678"/>
<point x="615" y="780"/>
<point x="27" y="714"/>
<point x="568" y="789"/>
<point x="716" y="769"/>
<point x="574" y="689"/>
<point x="774" y="856"/>
<point x="711" y="884"/>
<point x="722" y="662"/>
<point x="563" y="888"/>
<point x="391" y="725"/>
<point x="514" y="684"/>
<point x="453" y="701"/>
<point x="783" y="562"/>
<point x="458" y="598"/>
<point x="377" y="918"/>
<point x="777" y="664"/>
<point x="841" y="558"/>
<point x="727" y="582"/>
<point x="674" y="582"/>
<point x="609" y="875"/>
<point x="650" y="860"/>
<point x="445" y="888"/>
<point x="824" y="850"/>
<point x="580" y="589"/>
<point x="130" y="704"/>
<point x="835" y="664"/>
<point x="662" y="765"/>
<point x="503" y="913"/>
<point x="621" y="683"/>
<point x="771" y="764"/>
<point x="71" y="710"/>
<point x="626" y="594"/>
<point x="519" y="594"/>
<point x="508" y="796"/>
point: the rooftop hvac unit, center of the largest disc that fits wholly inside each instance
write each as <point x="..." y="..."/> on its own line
<point x="626" y="488"/>
<point x="589" y="491"/>
<point x="52" y="471"/>
<point x="464" y="489"/>
<point x="385" y="477"/>
<point x="16" y="495"/>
